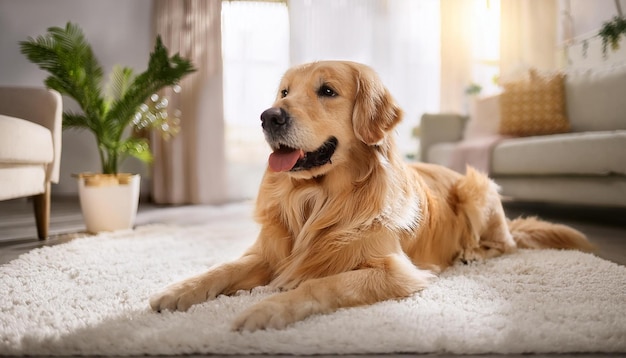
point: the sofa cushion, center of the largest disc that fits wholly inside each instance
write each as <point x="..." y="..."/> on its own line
<point x="595" y="99"/>
<point x="484" y="117"/>
<point x="580" y="190"/>
<point x="587" y="153"/>
<point x="22" y="141"/>
<point x="534" y="106"/>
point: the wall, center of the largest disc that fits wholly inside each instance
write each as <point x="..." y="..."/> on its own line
<point x="588" y="16"/>
<point x="584" y="20"/>
<point x="120" y="32"/>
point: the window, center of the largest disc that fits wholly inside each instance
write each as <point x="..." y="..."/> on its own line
<point x="255" y="51"/>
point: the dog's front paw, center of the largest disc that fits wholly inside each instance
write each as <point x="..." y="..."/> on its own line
<point x="266" y="314"/>
<point x="181" y="296"/>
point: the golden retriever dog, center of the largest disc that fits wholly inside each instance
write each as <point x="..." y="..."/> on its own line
<point x="345" y="221"/>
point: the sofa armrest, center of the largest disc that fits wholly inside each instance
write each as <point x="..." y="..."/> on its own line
<point x="39" y="105"/>
<point x="439" y="128"/>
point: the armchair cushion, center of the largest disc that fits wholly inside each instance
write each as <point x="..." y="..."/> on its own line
<point x="24" y="142"/>
<point x="21" y="180"/>
<point x="41" y="106"/>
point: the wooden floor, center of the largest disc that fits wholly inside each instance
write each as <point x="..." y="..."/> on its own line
<point x="605" y="227"/>
<point x="18" y="233"/>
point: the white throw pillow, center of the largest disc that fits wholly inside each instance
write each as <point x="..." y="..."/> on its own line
<point x="484" y="118"/>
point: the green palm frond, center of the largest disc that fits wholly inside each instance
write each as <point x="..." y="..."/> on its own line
<point x="162" y="71"/>
<point x="138" y="148"/>
<point x="74" y="71"/>
<point x="75" y="121"/>
<point x="118" y="84"/>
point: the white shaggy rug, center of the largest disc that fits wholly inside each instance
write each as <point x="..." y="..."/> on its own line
<point x="90" y="297"/>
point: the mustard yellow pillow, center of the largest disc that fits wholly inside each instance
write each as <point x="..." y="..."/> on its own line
<point x="534" y="106"/>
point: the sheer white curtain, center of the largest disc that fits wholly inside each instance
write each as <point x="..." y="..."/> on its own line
<point x="470" y="50"/>
<point x="456" y="53"/>
<point x="398" y="38"/>
<point x="528" y="36"/>
<point x="255" y="57"/>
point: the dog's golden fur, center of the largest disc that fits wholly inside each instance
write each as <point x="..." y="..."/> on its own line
<point x="362" y="226"/>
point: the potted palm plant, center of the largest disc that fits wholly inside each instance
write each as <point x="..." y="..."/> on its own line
<point x="115" y="112"/>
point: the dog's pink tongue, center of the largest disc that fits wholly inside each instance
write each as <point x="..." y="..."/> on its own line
<point x="283" y="160"/>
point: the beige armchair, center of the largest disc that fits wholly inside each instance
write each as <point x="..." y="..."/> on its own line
<point x="30" y="147"/>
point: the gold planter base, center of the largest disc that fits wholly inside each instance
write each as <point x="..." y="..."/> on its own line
<point x="96" y="179"/>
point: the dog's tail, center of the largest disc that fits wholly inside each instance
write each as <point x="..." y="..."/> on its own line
<point x="532" y="233"/>
<point x="475" y="191"/>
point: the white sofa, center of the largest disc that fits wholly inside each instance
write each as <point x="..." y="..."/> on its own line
<point x="586" y="165"/>
<point x="30" y="147"/>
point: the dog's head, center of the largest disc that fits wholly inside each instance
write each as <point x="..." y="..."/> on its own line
<point x="323" y="109"/>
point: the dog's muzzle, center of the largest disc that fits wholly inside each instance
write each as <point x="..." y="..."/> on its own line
<point x="277" y="124"/>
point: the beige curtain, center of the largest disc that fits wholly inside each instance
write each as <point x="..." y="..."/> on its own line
<point x="528" y="36"/>
<point x="190" y="168"/>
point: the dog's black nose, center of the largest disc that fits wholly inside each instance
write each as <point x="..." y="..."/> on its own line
<point x="274" y="119"/>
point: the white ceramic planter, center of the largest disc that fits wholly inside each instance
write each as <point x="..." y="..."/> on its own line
<point x="109" y="204"/>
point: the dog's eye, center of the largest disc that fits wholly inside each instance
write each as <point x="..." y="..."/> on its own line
<point x="326" y="91"/>
<point x="283" y="93"/>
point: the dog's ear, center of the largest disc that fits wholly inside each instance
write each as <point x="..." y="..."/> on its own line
<point x="375" y="111"/>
